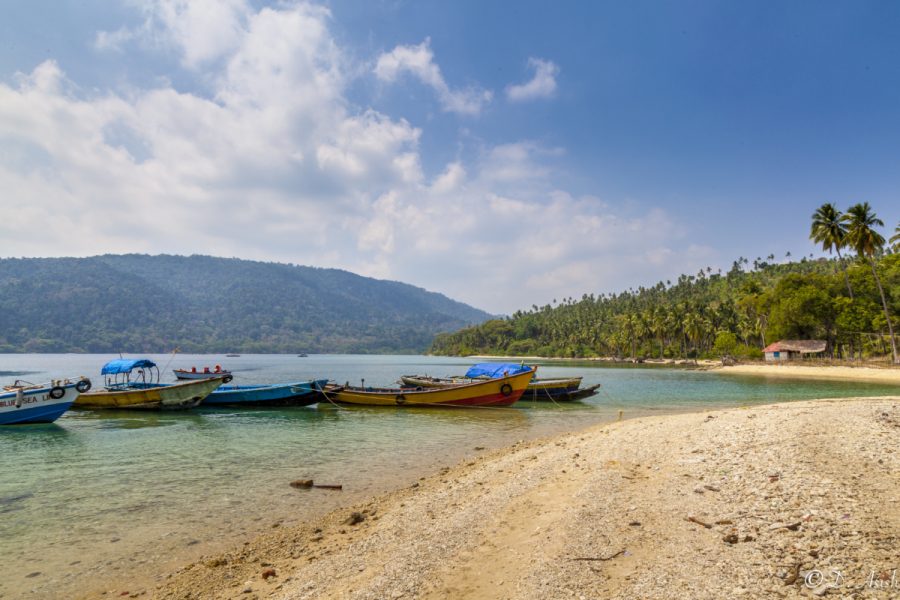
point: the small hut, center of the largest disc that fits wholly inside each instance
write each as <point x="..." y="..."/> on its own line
<point x="784" y="350"/>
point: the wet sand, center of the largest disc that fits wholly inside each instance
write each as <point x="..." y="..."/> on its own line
<point x="785" y="500"/>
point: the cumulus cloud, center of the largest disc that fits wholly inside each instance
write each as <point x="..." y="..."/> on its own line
<point x="201" y="30"/>
<point x="419" y="62"/>
<point x="274" y="163"/>
<point x="542" y="85"/>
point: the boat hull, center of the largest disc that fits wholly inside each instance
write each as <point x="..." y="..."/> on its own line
<point x="302" y="393"/>
<point x="177" y="396"/>
<point x="503" y="391"/>
<point x="558" y="390"/>
<point x="193" y="376"/>
<point x="35" y="405"/>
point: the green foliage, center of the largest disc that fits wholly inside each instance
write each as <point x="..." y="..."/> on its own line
<point x="706" y="315"/>
<point x="139" y="303"/>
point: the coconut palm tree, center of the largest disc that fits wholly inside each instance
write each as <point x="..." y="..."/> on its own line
<point x="895" y="239"/>
<point x="828" y="229"/>
<point x="867" y="242"/>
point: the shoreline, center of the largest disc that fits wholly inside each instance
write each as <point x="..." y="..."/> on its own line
<point x="830" y="372"/>
<point x="591" y="512"/>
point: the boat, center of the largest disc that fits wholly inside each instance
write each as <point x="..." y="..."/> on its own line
<point x="551" y="389"/>
<point x="232" y="355"/>
<point x="501" y="391"/>
<point x="206" y="373"/>
<point x="300" y="393"/>
<point x="25" y="402"/>
<point x="303" y="355"/>
<point x="134" y="384"/>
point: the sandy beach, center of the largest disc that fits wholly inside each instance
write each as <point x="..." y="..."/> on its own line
<point x="786" y="500"/>
<point x="830" y="372"/>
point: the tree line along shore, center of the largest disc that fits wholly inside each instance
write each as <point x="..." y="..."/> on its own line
<point x="849" y="300"/>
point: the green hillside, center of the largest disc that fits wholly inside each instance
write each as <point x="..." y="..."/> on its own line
<point x="705" y="315"/>
<point x="140" y="303"/>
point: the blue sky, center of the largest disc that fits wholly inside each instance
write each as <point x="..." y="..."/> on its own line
<point x="503" y="154"/>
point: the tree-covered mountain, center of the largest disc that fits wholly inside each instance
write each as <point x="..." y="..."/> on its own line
<point x="851" y="303"/>
<point x="707" y="314"/>
<point x="140" y="303"/>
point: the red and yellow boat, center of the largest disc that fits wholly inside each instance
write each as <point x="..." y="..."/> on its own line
<point x="502" y="391"/>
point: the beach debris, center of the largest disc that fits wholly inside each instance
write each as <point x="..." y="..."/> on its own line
<point x="269" y="573"/>
<point x="693" y="519"/>
<point x="601" y="558"/>
<point x="33" y="574"/>
<point x="354" y="518"/>
<point x="731" y="538"/>
<point x="789" y="526"/>
<point x="308" y="483"/>
<point x="635" y="524"/>
<point x="712" y="488"/>
<point x="479" y="447"/>
<point x="724" y="522"/>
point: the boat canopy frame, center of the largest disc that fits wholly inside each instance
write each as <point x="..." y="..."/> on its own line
<point x="122" y="373"/>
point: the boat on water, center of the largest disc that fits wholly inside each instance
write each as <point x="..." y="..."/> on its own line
<point x="204" y="373"/>
<point x="299" y="393"/>
<point x="232" y="355"/>
<point x="134" y="384"/>
<point x="25" y="402"/>
<point x="501" y="391"/>
<point x="551" y="389"/>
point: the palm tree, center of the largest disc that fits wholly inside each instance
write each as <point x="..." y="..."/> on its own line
<point x="895" y="239"/>
<point x="867" y="242"/>
<point x="829" y="230"/>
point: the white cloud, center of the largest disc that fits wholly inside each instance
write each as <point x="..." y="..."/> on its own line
<point x="542" y="85"/>
<point x="419" y="61"/>
<point x="274" y="163"/>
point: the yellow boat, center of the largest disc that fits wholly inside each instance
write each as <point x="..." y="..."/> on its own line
<point x="141" y="392"/>
<point x="502" y="391"/>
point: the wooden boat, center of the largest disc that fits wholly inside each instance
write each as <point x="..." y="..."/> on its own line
<point x="134" y="384"/>
<point x="300" y="393"/>
<point x="502" y="391"/>
<point x="554" y="389"/>
<point x="25" y="402"/>
<point x="206" y="373"/>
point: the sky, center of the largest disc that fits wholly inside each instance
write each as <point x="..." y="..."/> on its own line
<point x="503" y="154"/>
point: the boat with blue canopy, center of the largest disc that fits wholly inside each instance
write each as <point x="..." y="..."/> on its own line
<point x="551" y="389"/>
<point x="133" y="383"/>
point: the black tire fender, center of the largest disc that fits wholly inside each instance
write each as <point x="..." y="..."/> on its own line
<point x="506" y="389"/>
<point x="83" y="386"/>
<point x="57" y="392"/>
<point x="400" y="399"/>
<point x="227" y="378"/>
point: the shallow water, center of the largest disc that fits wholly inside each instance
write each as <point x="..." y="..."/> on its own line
<point x="99" y="497"/>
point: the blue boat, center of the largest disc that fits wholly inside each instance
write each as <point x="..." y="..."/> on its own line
<point x="24" y="402"/>
<point x="300" y="393"/>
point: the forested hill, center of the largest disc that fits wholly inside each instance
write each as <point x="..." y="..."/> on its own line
<point x="708" y="314"/>
<point x="140" y="303"/>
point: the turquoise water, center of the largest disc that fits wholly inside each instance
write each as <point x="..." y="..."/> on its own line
<point x="101" y="497"/>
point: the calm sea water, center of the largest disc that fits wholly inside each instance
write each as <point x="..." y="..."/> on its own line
<point x="100" y="499"/>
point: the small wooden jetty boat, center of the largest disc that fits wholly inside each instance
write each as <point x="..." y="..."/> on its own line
<point x="300" y="393"/>
<point x="555" y="389"/>
<point x="134" y="384"/>
<point x="204" y="373"/>
<point x="502" y="391"/>
<point x="25" y="402"/>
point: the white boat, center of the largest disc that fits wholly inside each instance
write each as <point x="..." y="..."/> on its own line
<point x="206" y="373"/>
<point x="24" y="402"/>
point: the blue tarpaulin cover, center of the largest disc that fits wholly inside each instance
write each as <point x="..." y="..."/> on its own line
<point x="125" y="365"/>
<point x="495" y="370"/>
